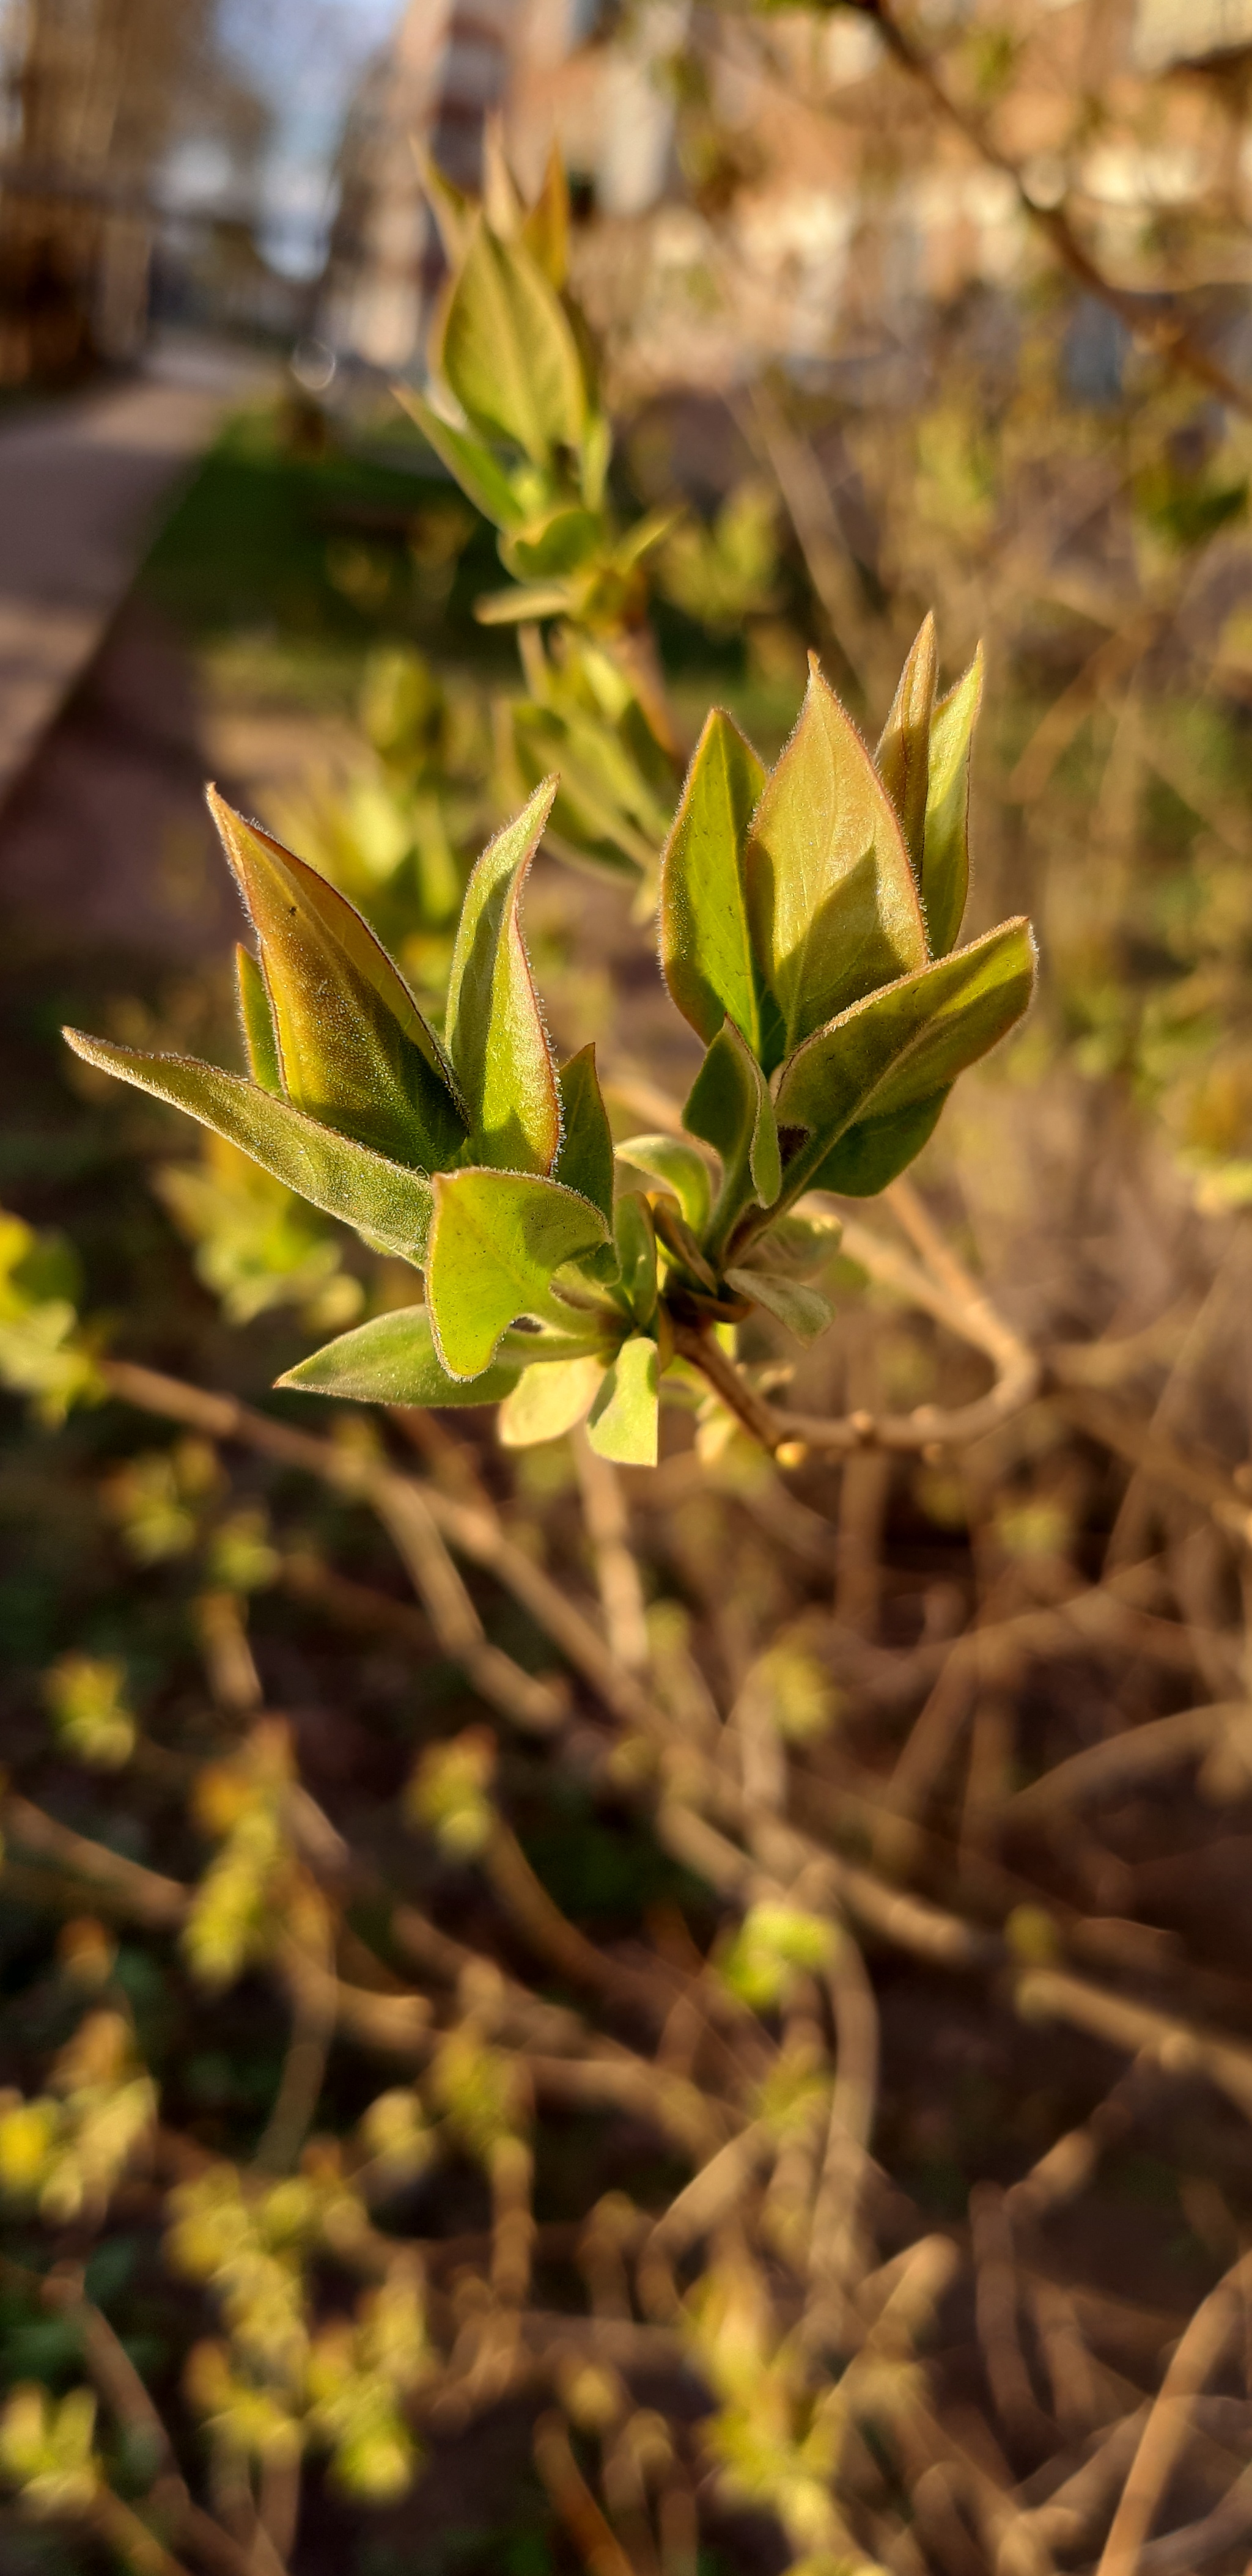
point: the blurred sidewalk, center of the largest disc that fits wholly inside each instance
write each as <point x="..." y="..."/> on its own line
<point x="82" y="483"/>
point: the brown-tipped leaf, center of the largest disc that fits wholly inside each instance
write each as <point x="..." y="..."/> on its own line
<point x="354" y="1048"/>
<point x="904" y="750"/>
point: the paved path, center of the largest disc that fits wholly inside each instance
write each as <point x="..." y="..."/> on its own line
<point x="82" y="483"/>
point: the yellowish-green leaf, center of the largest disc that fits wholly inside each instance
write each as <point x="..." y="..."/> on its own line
<point x="545" y="230"/>
<point x="945" y="858"/>
<point x="904" y="750"/>
<point x="553" y="547"/>
<point x="796" y="1247"/>
<point x="730" y="1106"/>
<point x="256" y="1021"/>
<point x="891" y="1053"/>
<point x="393" y="1360"/>
<point x="605" y="802"/>
<point x="522" y="606"/>
<point x="502" y="205"/>
<point x="495" y="1241"/>
<point x="495" y="1033"/>
<point x="453" y="211"/>
<point x="548" y="1400"/>
<point x="804" y="1311"/>
<point x="832" y="903"/>
<point x="635" y="1242"/>
<point x="679" y="1168"/>
<point x="706" y="950"/>
<point x="388" y="1202"/>
<point x="585" y="1162"/>
<point x="624" y="1420"/>
<point x="354" y="1049"/>
<point x="595" y="458"/>
<point x="482" y="478"/>
<point x="508" y="352"/>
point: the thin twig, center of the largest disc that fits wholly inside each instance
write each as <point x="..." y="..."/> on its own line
<point x="1163" y="331"/>
<point x="600" y="2551"/>
<point x="617" y="1567"/>
<point x="1195" y="2355"/>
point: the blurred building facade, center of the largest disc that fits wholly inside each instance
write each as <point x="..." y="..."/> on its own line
<point x="767" y="184"/>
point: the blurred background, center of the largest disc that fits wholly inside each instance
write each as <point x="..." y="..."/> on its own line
<point x="941" y="306"/>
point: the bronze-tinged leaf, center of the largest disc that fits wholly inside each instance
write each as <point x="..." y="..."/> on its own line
<point x="833" y="907"/>
<point x="354" y="1049"/>
<point x="904" y="750"/>
<point x="545" y="229"/>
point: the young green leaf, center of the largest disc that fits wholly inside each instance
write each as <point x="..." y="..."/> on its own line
<point x="507" y="350"/>
<point x="832" y="904"/>
<point x="585" y="1161"/>
<point x="495" y="1033"/>
<point x="679" y="1167"/>
<point x="730" y="1106"/>
<point x="903" y="752"/>
<point x="550" y="548"/>
<point x="595" y="457"/>
<point x="804" y="1311"/>
<point x="635" y="1243"/>
<point x="895" y="1050"/>
<point x="624" y="1420"/>
<point x="795" y="1247"/>
<point x="354" y="1048"/>
<point x="256" y="1020"/>
<point x="549" y="1399"/>
<point x="527" y="603"/>
<point x="393" y="1360"/>
<point x="495" y="1241"/>
<point x="945" y="858"/>
<point x="877" y="1150"/>
<point x="482" y="478"/>
<point x="387" y="1201"/>
<point x="706" y="951"/>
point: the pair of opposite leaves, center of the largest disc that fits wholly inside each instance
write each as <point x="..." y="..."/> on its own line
<point x="357" y="1106"/>
<point x="442" y="1154"/>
